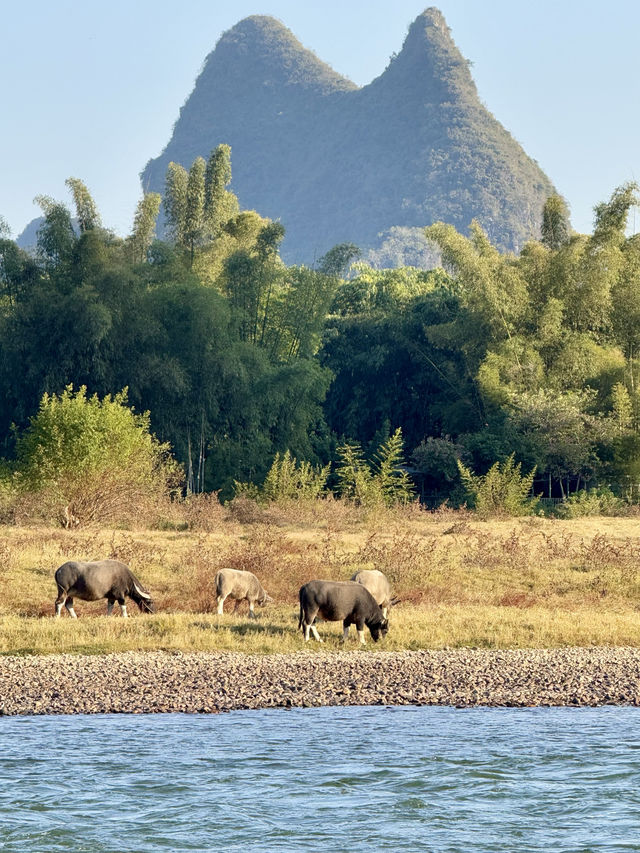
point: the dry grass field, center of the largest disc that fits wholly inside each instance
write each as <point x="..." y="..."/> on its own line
<point x="530" y="582"/>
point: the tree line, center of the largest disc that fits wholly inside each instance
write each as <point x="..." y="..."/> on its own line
<point x="240" y="358"/>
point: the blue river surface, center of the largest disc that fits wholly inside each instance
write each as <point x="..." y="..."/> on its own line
<point x="330" y="779"/>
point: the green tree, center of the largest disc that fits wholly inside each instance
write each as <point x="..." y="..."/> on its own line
<point x="558" y="432"/>
<point x="548" y="335"/>
<point x="294" y="318"/>
<point x="56" y="237"/>
<point x="384" y="481"/>
<point x="492" y="285"/>
<point x="86" y="210"/>
<point x="197" y="203"/>
<point x="289" y="479"/>
<point x="390" y="343"/>
<point x="625" y="310"/>
<point x="437" y="460"/>
<point x="144" y="226"/>
<point x="390" y="472"/>
<point x="94" y="457"/>
<point x="18" y="271"/>
<point x="555" y="222"/>
<point x="503" y="490"/>
<point x="611" y="217"/>
<point x="337" y="260"/>
<point x="193" y="230"/>
<point x="622" y="409"/>
<point x="175" y="202"/>
<point x="354" y="476"/>
<point x="220" y="205"/>
<point x="253" y="279"/>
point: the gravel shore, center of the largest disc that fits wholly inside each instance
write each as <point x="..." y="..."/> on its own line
<point x="150" y="682"/>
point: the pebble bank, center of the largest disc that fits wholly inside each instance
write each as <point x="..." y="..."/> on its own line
<point x="150" y="682"/>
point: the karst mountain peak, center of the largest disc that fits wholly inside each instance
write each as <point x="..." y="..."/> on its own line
<point x="335" y="162"/>
<point x="262" y="44"/>
<point x="430" y="60"/>
<point x="427" y="50"/>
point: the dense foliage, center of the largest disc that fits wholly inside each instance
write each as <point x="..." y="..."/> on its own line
<point x="534" y="354"/>
<point x="530" y="360"/>
<point x="211" y="333"/>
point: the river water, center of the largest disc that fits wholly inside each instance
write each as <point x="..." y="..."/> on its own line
<point x="325" y="779"/>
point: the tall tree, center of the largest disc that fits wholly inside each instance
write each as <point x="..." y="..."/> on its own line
<point x="555" y="222"/>
<point x="492" y="285"/>
<point x="220" y="205"/>
<point x="18" y="270"/>
<point x="144" y="225"/>
<point x="175" y="201"/>
<point x="252" y="278"/>
<point x="86" y="210"/>
<point x="193" y="232"/>
<point x="337" y="260"/>
<point x="56" y="237"/>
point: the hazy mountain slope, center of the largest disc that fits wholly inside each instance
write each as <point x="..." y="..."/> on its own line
<point x="337" y="163"/>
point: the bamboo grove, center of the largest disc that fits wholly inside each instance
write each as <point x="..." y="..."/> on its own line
<point x="238" y="357"/>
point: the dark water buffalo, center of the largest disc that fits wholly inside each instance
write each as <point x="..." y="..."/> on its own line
<point x="344" y="601"/>
<point x="108" y="579"/>
<point x="240" y="585"/>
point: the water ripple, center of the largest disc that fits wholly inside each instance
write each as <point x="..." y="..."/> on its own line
<point x="438" y="779"/>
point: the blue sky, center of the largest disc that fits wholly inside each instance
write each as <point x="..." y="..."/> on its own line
<point x="92" y="89"/>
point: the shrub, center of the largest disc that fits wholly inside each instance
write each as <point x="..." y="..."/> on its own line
<point x="393" y="480"/>
<point x="287" y="480"/>
<point x="356" y="482"/>
<point x="82" y="459"/>
<point x="245" y="509"/>
<point x="437" y="459"/>
<point x="290" y="479"/>
<point x="501" y="491"/>
<point x="385" y="481"/>
<point x="600" y="501"/>
<point x="203" y="512"/>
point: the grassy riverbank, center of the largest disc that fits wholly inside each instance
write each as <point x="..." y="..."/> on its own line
<point x="516" y="583"/>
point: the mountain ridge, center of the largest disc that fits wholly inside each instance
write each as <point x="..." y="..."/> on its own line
<point x="336" y="162"/>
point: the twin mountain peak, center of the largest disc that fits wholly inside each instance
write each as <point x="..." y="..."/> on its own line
<point x="370" y="165"/>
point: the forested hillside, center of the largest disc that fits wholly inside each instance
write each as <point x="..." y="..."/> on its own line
<point x="370" y="165"/>
<point x="239" y="357"/>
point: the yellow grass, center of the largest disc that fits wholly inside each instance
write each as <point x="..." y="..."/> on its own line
<point x="276" y="631"/>
<point x="463" y="583"/>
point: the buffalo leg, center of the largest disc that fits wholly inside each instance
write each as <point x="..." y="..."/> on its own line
<point x="307" y="627"/>
<point x="60" y="600"/>
<point x="69" y="605"/>
<point x="123" y="607"/>
<point x="252" y="614"/>
<point x="220" y="602"/>
<point x="110" y="603"/>
<point x="345" y="632"/>
<point x="307" y="620"/>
